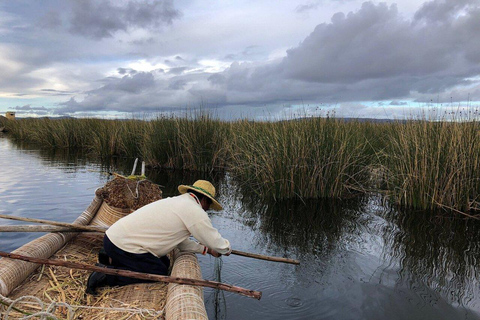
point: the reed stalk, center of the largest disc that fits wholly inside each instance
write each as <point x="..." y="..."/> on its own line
<point x="434" y="164"/>
<point x="424" y="164"/>
<point x="309" y="158"/>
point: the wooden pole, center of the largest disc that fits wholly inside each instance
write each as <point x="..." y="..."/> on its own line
<point x="55" y="223"/>
<point x="101" y="229"/>
<point x="262" y="257"/>
<point x="134" y="166"/>
<point x="137" y="275"/>
<point x="38" y="228"/>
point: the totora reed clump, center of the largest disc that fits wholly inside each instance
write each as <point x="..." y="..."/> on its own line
<point x="422" y="164"/>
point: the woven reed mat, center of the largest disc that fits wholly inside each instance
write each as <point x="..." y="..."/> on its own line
<point x="52" y="283"/>
<point x="185" y="302"/>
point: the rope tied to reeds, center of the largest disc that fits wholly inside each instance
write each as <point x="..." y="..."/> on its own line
<point x="48" y="312"/>
<point x="45" y="313"/>
<point x="136" y="195"/>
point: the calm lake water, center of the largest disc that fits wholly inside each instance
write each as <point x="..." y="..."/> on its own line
<point x="360" y="259"/>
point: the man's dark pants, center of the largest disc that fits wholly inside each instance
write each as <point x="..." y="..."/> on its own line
<point x="141" y="262"/>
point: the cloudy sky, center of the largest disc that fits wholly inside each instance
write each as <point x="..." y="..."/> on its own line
<point x="243" y="58"/>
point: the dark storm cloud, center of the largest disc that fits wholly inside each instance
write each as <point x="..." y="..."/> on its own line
<point x="216" y="79"/>
<point x="178" y="85"/>
<point x="124" y="71"/>
<point x="230" y="56"/>
<point x="72" y="106"/>
<point x="251" y="50"/>
<point x="306" y="7"/>
<point x="434" y="52"/>
<point x="54" y="92"/>
<point x="375" y="42"/>
<point x="50" y="20"/>
<point x="30" y="108"/>
<point x="211" y="97"/>
<point x="39" y="49"/>
<point x="117" y="94"/>
<point x="137" y="92"/>
<point x="373" y="54"/>
<point x="442" y="10"/>
<point x="101" y="19"/>
<point x="398" y="103"/>
<point x="177" y="70"/>
<point x="135" y="83"/>
<point x="14" y="82"/>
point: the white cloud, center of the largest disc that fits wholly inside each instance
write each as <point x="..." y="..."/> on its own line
<point x="264" y="55"/>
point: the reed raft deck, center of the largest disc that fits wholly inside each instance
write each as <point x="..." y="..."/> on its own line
<point x="63" y="289"/>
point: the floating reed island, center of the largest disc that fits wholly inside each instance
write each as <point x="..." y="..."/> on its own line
<point x="419" y="164"/>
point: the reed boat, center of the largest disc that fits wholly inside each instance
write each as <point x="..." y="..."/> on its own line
<point x="59" y="292"/>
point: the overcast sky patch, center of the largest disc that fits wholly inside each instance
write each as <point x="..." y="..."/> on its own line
<point x="97" y="56"/>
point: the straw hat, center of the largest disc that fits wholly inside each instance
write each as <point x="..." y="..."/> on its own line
<point x="205" y="188"/>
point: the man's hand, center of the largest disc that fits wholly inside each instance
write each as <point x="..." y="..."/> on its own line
<point x="213" y="253"/>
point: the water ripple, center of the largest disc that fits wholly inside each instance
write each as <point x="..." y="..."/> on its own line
<point x="363" y="261"/>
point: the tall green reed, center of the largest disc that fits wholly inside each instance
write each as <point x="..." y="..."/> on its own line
<point x="426" y="164"/>
<point x="434" y="164"/>
<point x="308" y="158"/>
<point x="67" y="133"/>
<point x="194" y="142"/>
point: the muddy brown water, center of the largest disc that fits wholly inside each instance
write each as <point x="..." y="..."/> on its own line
<point x="360" y="259"/>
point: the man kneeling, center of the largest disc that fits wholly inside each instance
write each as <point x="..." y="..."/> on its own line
<point x="141" y="240"/>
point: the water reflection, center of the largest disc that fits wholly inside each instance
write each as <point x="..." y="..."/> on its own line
<point x="360" y="258"/>
<point x="439" y="251"/>
<point x="64" y="158"/>
<point x="301" y="227"/>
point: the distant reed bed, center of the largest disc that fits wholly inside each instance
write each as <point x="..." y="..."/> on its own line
<point x="421" y="164"/>
<point x="195" y="142"/>
<point x="433" y="164"/>
<point x="99" y="137"/>
<point x="189" y="143"/>
<point x="307" y="158"/>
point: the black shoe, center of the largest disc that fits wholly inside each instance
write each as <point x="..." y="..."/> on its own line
<point x="95" y="280"/>
<point x="103" y="257"/>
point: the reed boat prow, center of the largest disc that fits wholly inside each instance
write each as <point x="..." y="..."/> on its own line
<point x="65" y="287"/>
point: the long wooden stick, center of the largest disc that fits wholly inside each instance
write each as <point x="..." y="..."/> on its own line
<point x="39" y="228"/>
<point x="137" y="275"/>
<point x="54" y="223"/>
<point x="263" y="257"/>
<point x="101" y="229"/>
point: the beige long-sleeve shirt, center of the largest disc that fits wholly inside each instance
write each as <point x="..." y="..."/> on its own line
<point x="165" y="224"/>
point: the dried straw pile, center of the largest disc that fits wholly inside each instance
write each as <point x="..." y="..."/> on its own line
<point x="131" y="194"/>
<point x="51" y="283"/>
